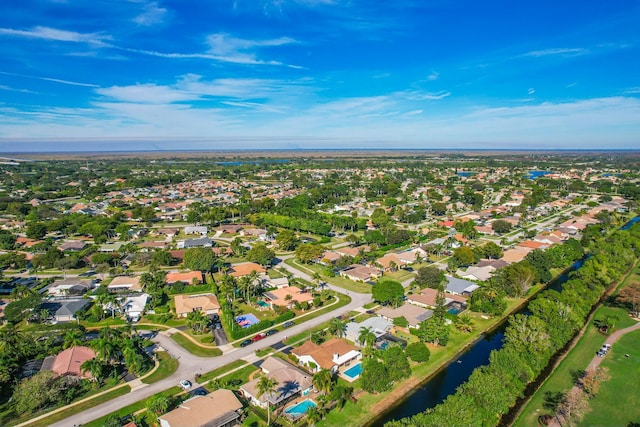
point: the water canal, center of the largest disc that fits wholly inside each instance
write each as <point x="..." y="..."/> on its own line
<point x="436" y="389"/>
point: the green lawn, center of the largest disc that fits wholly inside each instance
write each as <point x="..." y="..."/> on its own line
<point x="221" y="370"/>
<point x="48" y="420"/>
<point x="195" y="349"/>
<point x="168" y="366"/>
<point x="563" y="377"/>
<point x="131" y="409"/>
<point x="234" y="380"/>
<point x="342" y="282"/>
<point x="616" y="404"/>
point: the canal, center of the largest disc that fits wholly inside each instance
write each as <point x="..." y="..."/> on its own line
<point x="436" y="389"/>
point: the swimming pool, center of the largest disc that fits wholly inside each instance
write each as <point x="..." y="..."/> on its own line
<point x="300" y="408"/>
<point x="262" y="304"/>
<point x="354" y="371"/>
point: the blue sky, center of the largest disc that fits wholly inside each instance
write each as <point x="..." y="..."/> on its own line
<point x="230" y="74"/>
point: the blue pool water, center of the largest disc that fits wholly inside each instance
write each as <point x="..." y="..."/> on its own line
<point x="300" y="408"/>
<point x="354" y="371"/>
<point x="536" y="174"/>
<point x="454" y="310"/>
<point x="262" y="304"/>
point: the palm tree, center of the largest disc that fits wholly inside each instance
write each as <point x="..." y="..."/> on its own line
<point x="158" y="404"/>
<point x="313" y="415"/>
<point x="73" y="338"/>
<point x="197" y="321"/>
<point x="95" y="367"/>
<point x="323" y="380"/>
<point x="337" y="327"/>
<point x="266" y="385"/>
<point x="367" y="338"/>
<point x="464" y="323"/>
<point x="341" y="394"/>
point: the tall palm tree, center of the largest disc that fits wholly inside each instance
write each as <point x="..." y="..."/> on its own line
<point x="73" y="338"/>
<point x="266" y="385"/>
<point x="158" y="404"/>
<point x="95" y="367"/>
<point x="367" y="338"/>
<point x="313" y="415"/>
<point x="337" y="327"/>
<point x="197" y="321"/>
<point x="464" y="323"/>
<point x="323" y="380"/>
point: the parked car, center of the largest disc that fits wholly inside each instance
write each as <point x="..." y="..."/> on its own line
<point x="199" y="392"/>
<point x="185" y="384"/>
<point x="258" y="337"/>
<point x="288" y="324"/>
<point x="271" y="332"/>
<point x="601" y="353"/>
<point x="245" y="343"/>
<point x="606" y="347"/>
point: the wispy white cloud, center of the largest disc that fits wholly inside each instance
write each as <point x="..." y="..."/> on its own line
<point x="152" y="14"/>
<point x="13" y="89"/>
<point x="50" y="79"/>
<point x="433" y="76"/>
<point x="232" y="49"/>
<point x="417" y="95"/>
<point x="633" y="91"/>
<point x="531" y="91"/>
<point x="53" y="34"/>
<point x="576" y="51"/>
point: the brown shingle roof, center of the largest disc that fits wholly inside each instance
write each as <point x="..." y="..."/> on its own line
<point x="202" y="411"/>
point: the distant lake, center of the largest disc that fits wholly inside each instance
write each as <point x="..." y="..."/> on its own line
<point x="465" y="174"/>
<point x="252" y="162"/>
<point x="537" y="174"/>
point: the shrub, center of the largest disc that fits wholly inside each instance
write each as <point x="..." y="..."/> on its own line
<point x="418" y="352"/>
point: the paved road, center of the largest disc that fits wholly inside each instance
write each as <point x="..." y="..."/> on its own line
<point x="595" y="362"/>
<point x="191" y="365"/>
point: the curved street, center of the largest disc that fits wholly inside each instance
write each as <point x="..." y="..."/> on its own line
<point x="190" y="365"/>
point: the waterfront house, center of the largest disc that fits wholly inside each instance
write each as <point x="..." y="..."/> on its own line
<point x="291" y="383"/>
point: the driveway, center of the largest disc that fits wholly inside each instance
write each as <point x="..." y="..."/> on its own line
<point x="190" y="365"/>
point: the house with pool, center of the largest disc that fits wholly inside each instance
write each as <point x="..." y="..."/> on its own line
<point x="333" y="355"/>
<point x="292" y="382"/>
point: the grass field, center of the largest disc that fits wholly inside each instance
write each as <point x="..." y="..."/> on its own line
<point x="168" y="366"/>
<point x="193" y="348"/>
<point x="563" y="377"/>
<point x="616" y="404"/>
<point x="49" y="419"/>
<point x="130" y="409"/>
<point x="342" y="282"/>
<point x="221" y="370"/>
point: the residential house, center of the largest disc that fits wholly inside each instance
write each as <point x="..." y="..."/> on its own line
<point x="475" y="272"/>
<point x="125" y="283"/>
<point x="389" y="262"/>
<point x="71" y="286"/>
<point x="279" y="283"/>
<point x="203" y="242"/>
<point x="378" y="325"/>
<point x="332" y="354"/>
<point x="69" y="362"/>
<point x="427" y="298"/>
<point x="187" y="277"/>
<point x="291" y="383"/>
<point x="280" y="297"/>
<point x="246" y="269"/>
<point x="517" y="254"/>
<point x="134" y="306"/>
<point x="220" y="408"/>
<point x="207" y="303"/>
<point x="73" y="246"/>
<point x="169" y="233"/>
<point x="360" y="273"/>
<point x="412" y="313"/>
<point x="64" y="310"/>
<point x="230" y="228"/>
<point x="196" y="229"/>
<point x="459" y="286"/>
<point x="110" y="247"/>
